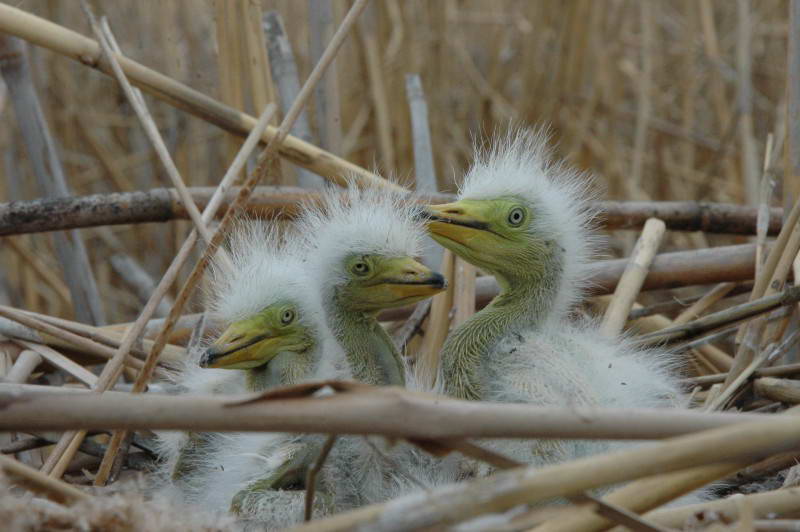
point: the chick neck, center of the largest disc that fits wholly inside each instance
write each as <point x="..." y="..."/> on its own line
<point x="526" y="299"/>
<point x="284" y="369"/>
<point x="371" y="354"/>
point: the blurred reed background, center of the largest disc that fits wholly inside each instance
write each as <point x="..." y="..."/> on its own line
<point x="660" y="100"/>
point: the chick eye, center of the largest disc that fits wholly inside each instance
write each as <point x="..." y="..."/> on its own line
<point x="516" y="216"/>
<point x="287" y="317"/>
<point x="360" y="268"/>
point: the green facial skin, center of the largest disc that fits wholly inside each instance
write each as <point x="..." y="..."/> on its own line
<point x="374" y="283"/>
<point x="497" y="236"/>
<point x="275" y="348"/>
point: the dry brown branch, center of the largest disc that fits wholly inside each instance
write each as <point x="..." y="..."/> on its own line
<point x="384" y="411"/>
<point x="66" y="42"/>
<point x="161" y="205"/>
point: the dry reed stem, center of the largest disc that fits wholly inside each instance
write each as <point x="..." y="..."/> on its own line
<point x="327" y="101"/>
<point x="113" y="368"/>
<point x="108" y="335"/>
<point x="464" y="293"/>
<point x="428" y="363"/>
<point x="163" y="204"/>
<point x="66" y="42"/>
<point x="266" y="163"/>
<point x="52" y="488"/>
<point x="718" y="358"/>
<point x="704" y="303"/>
<point x="134" y="97"/>
<point x="387" y="411"/>
<point x="60" y="361"/>
<point x="287" y="79"/>
<point x="74" y="340"/>
<point x="49" y="173"/>
<point x="133" y="332"/>
<point x="23" y="367"/>
<point x="774" y="371"/>
<point x="506" y="489"/>
<point x="630" y="284"/>
<point x="783" y="390"/>
<point x="778" y="502"/>
<point x="368" y="29"/>
<point x="725" y="317"/>
<point x="41" y="269"/>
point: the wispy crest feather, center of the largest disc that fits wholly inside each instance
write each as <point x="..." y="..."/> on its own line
<point x="519" y="163"/>
<point x="267" y="268"/>
<point x="367" y="221"/>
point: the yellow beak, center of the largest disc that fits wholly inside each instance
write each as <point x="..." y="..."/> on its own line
<point x="456" y="221"/>
<point x="406" y="277"/>
<point x="239" y="348"/>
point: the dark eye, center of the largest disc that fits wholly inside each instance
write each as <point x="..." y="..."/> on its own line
<point x="516" y="216"/>
<point x="360" y="268"/>
<point x="287" y="317"/>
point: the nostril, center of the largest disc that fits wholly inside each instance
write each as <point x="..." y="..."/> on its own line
<point x="236" y="338"/>
<point x="454" y="211"/>
<point x="411" y="273"/>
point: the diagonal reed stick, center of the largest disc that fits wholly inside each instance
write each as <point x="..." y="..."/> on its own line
<point x="66" y="446"/>
<point x="266" y="163"/>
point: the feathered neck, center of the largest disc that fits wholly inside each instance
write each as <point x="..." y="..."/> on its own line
<point x="285" y="369"/>
<point x="522" y="304"/>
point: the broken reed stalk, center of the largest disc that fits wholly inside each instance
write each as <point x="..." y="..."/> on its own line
<point x="774" y="371"/>
<point x="53" y="488"/>
<point x="778" y="502"/>
<point x="23" y="367"/>
<point x="173" y="355"/>
<point x="704" y="303"/>
<point x="506" y="489"/>
<point x="386" y="411"/>
<point x="63" y="363"/>
<point x="112" y="369"/>
<point x="771" y="277"/>
<point x="161" y="205"/>
<point x="782" y="390"/>
<point x="74" y="340"/>
<point x="267" y="163"/>
<point x="723" y="317"/>
<point x="428" y="363"/>
<point x="61" y="40"/>
<point x="630" y="284"/>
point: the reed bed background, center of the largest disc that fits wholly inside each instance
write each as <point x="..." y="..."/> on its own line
<point x="660" y="101"/>
<point x="683" y="101"/>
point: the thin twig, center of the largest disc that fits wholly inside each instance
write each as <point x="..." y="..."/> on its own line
<point x="311" y="477"/>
